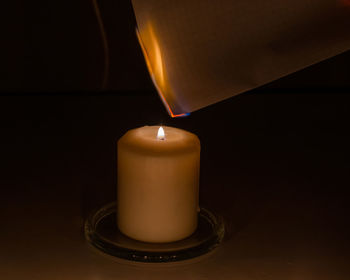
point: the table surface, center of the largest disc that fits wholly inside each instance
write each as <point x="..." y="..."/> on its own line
<point x="275" y="166"/>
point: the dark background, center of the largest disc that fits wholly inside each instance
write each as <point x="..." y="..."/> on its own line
<point x="56" y="46"/>
<point x="274" y="161"/>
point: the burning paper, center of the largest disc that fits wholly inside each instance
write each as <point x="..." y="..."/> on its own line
<point x="200" y="52"/>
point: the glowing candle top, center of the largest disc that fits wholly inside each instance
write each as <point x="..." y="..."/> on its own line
<point x="160" y="140"/>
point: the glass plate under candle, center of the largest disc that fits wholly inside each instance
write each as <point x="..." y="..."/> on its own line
<point x="102" y="232"/>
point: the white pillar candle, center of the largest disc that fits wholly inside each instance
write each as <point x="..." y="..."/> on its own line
<point x="158" y="181"/>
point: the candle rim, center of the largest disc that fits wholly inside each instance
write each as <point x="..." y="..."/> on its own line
<point x="189" y="142"/>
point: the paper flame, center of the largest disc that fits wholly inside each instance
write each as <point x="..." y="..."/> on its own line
<point x="156" y="67"/>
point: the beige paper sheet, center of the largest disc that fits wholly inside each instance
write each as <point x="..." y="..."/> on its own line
<point x="200" y="52"/>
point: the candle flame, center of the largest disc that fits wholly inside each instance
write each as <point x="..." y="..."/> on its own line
<point x="161" y="134"/>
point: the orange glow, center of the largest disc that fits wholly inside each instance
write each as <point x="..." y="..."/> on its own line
<point x="153" y="55"/>
<point x="155" y="65"/>
<point x="345" y="2"/>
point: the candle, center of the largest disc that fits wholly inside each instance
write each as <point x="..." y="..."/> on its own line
<point x="158" y="181"/>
